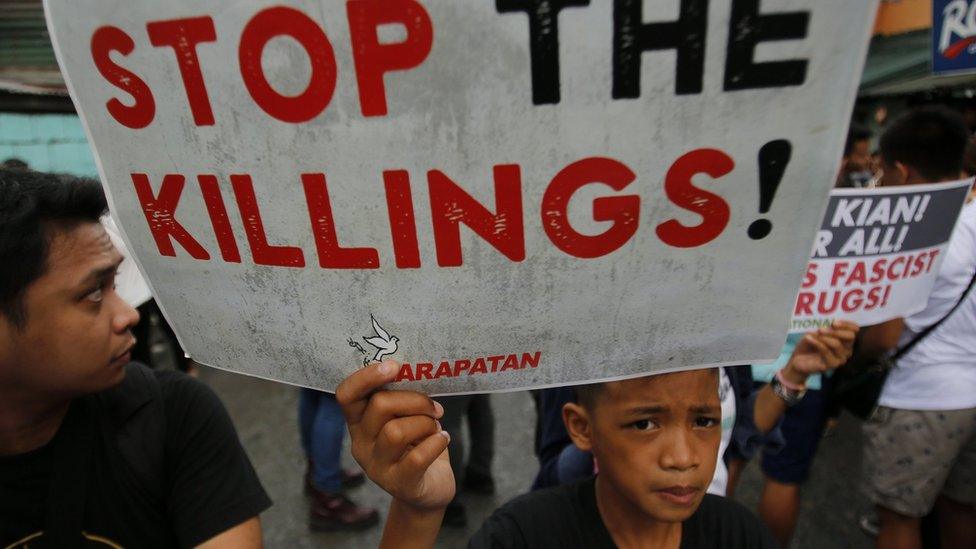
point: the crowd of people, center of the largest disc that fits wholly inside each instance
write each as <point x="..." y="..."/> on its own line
<point x="98" y="449"/>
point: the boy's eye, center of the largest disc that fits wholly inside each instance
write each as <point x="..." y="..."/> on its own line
<point x="644" y="425"/>
<point x="707" y="422"/>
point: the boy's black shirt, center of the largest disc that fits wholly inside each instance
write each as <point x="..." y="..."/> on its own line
<point x="566" y="517"/>
<point x="203" y="484"/>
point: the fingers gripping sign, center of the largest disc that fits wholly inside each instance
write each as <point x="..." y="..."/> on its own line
<point x="396" y="437"/>
<point x="825" y="349"/>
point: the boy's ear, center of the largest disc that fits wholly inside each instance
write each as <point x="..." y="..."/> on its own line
<point x="579" y="425"/>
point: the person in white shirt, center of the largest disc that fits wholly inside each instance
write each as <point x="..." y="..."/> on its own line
<point x="920" y="448"/>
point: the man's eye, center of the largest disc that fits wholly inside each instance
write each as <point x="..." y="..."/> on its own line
<point x="707" y="422"/>
<point x="643" y="425"/>
<point x="95" y="296"/>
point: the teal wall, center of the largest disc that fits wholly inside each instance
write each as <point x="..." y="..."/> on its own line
<point x="48" y="142"/>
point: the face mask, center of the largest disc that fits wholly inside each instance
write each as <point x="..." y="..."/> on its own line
<point x="860" y="179"/>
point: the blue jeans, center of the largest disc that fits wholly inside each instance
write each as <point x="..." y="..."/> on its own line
<point x="573" y="464"/>
<point x="322" y="428"/>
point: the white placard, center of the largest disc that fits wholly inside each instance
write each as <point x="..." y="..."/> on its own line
<point x="519" y="197"/>
<point x="878" y="253"/>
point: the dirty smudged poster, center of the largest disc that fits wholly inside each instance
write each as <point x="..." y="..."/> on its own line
<point x="498" y="195"/>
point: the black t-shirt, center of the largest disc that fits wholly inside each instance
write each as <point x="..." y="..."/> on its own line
<point x="201" y="485"/>
<point x="566" y="517"/>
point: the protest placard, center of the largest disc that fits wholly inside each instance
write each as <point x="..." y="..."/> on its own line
<point x="496" y="194"/>
<point x="877" y="253"/>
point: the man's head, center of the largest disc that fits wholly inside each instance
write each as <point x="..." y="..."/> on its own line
<point x="855" y="169"/>
<point x="925" y="145"/>
<point x="655" y="438"/>
<point x="63" y="329"/>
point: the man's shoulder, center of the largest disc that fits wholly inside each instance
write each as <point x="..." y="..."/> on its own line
<point x="144" y="387"/>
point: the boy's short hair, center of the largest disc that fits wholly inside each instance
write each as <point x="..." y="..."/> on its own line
<point x="31" y="205"/>
<point x="586" y="395"/>
<point x="931" y="140"/>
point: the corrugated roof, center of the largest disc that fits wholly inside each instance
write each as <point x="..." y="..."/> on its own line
<point x="24" y="41"/>
<point x="27" y="62"/>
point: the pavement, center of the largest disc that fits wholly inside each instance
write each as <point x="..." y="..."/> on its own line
<point x="265" y="414"/>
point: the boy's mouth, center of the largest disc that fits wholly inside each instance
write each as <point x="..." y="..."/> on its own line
<point x="680" y="495"/>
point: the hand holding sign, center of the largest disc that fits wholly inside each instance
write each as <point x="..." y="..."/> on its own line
<point x="821" y="351"/>
<point x="396" y="437"/>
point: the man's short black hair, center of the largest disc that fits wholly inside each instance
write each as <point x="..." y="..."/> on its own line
<point x="929" y="139"/>
<point x="32" y="205"/>
<point x="854" y="134"/>
<point x="969" y="158"/>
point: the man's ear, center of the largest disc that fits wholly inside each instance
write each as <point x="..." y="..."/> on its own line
<point x="905" y="173"/>
<point x="7" y="333"/>
<point x="579" y="425"/>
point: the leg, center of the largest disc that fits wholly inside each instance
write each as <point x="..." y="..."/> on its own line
<point x="308" y="403"/>
<point x="455" y="408"/>
<point x="898" y="531"/>
<point x="735" y="473"/>
<point x="330" y="508"/>
<point x="779" y="508"/>
<point x="328" y="429"/>
<point x="957" y="522"/>
<point x="957" y="504"/>
<point x="787" y="469"/>
<point x="908" y="455"/>
<point x="481" y="423"/>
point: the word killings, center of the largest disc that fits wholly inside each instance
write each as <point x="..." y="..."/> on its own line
<point x="503" y="227"/>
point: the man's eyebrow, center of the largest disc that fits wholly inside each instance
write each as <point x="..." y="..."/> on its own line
<point x="103" y="272"/>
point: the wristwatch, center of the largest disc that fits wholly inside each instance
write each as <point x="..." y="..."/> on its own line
<point x="790" y="396"/>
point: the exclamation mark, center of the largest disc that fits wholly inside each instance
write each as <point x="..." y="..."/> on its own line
<point x="887" y="294"/>
<point x="901" y="238"/>
<point x="921" y="208"/>
<point x="773" y="158"/>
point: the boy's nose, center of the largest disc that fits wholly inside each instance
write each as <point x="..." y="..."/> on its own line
<point x="679" y="452"/>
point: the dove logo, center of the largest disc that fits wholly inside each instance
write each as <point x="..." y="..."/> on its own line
<point x="384" y="343"/>
<point x="957" y="34"/>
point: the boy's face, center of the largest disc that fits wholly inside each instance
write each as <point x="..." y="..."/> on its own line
<point x="655" y="439"/>
<point x="77" y="336"/>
